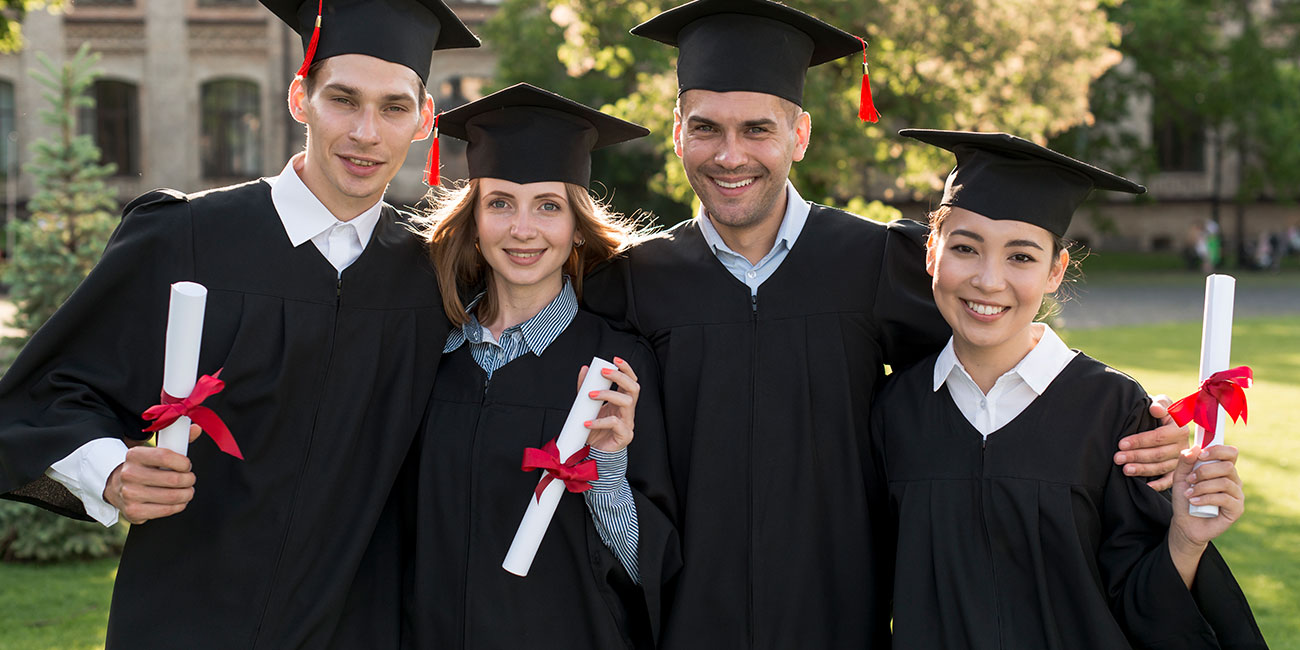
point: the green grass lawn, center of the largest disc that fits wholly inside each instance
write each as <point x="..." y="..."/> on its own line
<point x="1264" y="547"/>
<point x="66" y="606"/>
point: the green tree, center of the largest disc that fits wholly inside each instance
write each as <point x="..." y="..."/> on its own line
<point x="1017" y="65"/>
<point x="72" y="208"/>
<point x="12" y="13"/>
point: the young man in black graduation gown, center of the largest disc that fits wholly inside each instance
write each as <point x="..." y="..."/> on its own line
<point x="325" y="318"/>
<point x="772" y="319"/>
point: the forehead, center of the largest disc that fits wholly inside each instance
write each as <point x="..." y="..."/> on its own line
<point x="369" y="75"/>
<point x="736" y="106"/>
<point x="994" y="230"/>
<point x="502" y="186"/>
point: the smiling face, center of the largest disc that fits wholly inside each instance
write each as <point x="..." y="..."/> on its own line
<point x="362" y="115"/>
<point x="525" y="232"/>
<point x="990" y="277"/>
<point x="737" y="149"/>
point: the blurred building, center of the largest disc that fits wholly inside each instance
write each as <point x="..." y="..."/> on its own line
<point x="191" y="93"/>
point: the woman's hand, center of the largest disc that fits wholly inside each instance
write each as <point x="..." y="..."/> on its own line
<point x="1214" y="484"/>
<point x="611" y="431"/>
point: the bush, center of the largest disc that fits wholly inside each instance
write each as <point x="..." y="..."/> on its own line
<point x="30" y="534"/>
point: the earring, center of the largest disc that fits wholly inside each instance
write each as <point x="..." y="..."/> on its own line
<point x="580" y="243"/>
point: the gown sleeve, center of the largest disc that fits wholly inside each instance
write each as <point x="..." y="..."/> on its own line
<point x="910" y="325"/>
<point x="91" y="370"/>
<point x="1146" y="592"/>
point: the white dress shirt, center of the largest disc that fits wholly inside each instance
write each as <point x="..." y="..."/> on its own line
<point x="85" y="471"/>
<point x="753" y="275"/>
<point x="1013" y="392"/>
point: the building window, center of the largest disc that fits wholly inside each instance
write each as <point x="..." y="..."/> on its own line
<point x="1179" y="139"/>
<point x="230" y="139"/>
<point x="8" y="131"/>
<point x="114" y="123"/>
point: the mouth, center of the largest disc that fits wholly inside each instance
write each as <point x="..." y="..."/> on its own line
<point x="734" y="185"/>
<point x="524" y="256"/>
<point x="360" y="166"/>
<point x="984" y="309"/>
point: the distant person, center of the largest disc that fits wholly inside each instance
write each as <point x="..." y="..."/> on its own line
<point x="1013" y="528"/>
<point x="1195" y="248"/>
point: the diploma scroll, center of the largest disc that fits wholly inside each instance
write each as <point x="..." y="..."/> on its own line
<point x="181" y="356"/>
<point x="573" y="436"/>
<point x="1216" y="344"/>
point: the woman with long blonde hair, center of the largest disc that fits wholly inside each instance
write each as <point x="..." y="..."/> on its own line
<point x="511" y="246"/>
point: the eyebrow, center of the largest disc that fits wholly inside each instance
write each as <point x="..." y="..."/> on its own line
<point x="1029" y="243"/>
<point x="356" y="92"/>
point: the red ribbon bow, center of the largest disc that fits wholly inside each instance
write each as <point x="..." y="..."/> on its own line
<point x="173" y="408"/>
<point x="1226" y="388"/>
<point x="577" y="472"/>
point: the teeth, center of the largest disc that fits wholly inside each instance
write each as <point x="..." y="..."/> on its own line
<point x="732" y="186"/>
<point x="525" y="254"/>
<point x="361" y="163"/>
<point x="986" y="310"/>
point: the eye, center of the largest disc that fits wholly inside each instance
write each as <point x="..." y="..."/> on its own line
<point x="498" y="204"/>
<point x="551" y="206"/>
<point x="339" y="99"/>
<point x="703" y="128"/>
<point x="396" y="109"/>
<point x="962" y="248"/>
<point x="1023" y="258"/>
<point x="757" y="130"/>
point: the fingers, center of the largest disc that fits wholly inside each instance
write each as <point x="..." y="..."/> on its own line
<point x="1160" y="408"/>
<point x="1163" y="483"/>
<point x="582" y="376"/>
<point x="609" y="434"/>
<point x="1165" y="455"/>
<point x="1165" y="434"/>
<point x="151" y="483"/>
<point x="195" y="432"/>
<point x="158" y="457"/>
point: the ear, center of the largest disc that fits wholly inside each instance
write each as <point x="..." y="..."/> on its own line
<point x="297" y="100"/>
<point x="802" y="134"/>
<point x="1057" y="276"/>
<point x="931" y="254"/>
<point x="426" y="118"/>
<point x="677" y="130"/>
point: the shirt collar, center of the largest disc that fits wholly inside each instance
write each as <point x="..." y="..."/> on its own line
<point x="792" y="223"/>
<point x="304" y="216"/>
<point x="1037" y="369"/>
<point x="538" y="332"/>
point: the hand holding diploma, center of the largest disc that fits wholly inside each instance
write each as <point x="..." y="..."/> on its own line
<point x="151" y="483"/>
<point x="1200" y="482"/>
<point x="599" y="415"/>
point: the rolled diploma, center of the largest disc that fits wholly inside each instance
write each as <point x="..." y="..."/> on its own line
<point x="572" y="438"/>
<point x="1216" y="344"/>
<point x="181" y="356"/>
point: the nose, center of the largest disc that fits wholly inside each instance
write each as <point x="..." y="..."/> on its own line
<point x="365" y="130"/>
<point x="990" y="277"/>
<point x="522" y="226"/>
<point x="731" y="152"/>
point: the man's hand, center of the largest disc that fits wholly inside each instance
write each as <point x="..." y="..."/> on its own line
<point x="151" y="483"/>
<point x="1154" y="452"/>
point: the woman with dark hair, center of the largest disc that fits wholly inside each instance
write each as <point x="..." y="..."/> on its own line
<point x="510" y="247"/>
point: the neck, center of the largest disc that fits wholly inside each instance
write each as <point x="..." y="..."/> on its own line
<point x="343" y="207"/>
<point x="516" y="304"/>
<point x="985" y="364"/>
<point x="753" y="240"/>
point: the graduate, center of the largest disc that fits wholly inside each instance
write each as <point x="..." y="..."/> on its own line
<point x="1013" y="527"/>
<point x="324" y="316"/>
<point x="511" y="247"/>
<point x="772" y="318"/>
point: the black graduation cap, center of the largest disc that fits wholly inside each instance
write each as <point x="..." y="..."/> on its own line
<point x="753" y="45"/>
<point x="400" y="31"/>
<point x="1001" y="176"/>
<point x="524" y="134"/>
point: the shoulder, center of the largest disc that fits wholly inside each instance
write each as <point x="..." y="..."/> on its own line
<point x="917" y="378"/>
<point x="250" y="191"/>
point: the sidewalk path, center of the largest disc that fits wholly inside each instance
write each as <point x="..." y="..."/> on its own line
<point x="1112" y="303"/>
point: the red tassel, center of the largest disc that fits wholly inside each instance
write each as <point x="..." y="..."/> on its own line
<point x="866" y="108"/>
<point x="311" y="45"/>
<point x="431" y="171"/>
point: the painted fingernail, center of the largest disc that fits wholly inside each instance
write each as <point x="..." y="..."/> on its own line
<point x="619" y="361"/>
<point x="606" y="371"/>
<point x="593" y="394"/>
<point x="587" y="424"/>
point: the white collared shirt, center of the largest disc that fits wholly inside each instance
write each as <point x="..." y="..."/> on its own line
<point x="753" y="275"/>
<point x="305" y="218"/>
<point x="1013" y="392"/>
<point x="85" y="471"/>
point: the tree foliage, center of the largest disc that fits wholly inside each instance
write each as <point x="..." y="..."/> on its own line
<point x="12" y="13"/>
<point x="72" y="208"/>
<point x="1022" y="66"/>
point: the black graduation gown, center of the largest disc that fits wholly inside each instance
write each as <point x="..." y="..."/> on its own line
<point x="472" y="496"/>
<point x="1034" y="538"/>
<point x="327" y="383"/>
<point x="767" y="403"/>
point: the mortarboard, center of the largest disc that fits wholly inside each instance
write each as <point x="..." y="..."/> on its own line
<point x="752" y="45"/>
<point x="1001" y="176"/>
<point x="524" y="134"/>
<point x="401" y="31"/>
